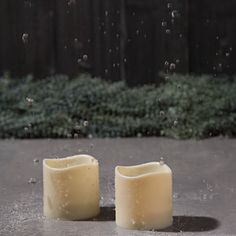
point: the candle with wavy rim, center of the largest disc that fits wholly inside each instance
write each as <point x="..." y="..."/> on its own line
<point x="143" y="196"/>
<point x="71" y="187"/>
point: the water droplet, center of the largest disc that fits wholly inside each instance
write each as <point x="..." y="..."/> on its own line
<point x="133" y="221"/>
<point x="76" y="40"/>
<point x="29" y="101"/>
<point x="125" y="60"/>
<point x="79" y="60"/>
<point x="90" y="136"/>
<point x="106" y="71"/>
<point x="176" y="196"/>
<point x="172" y="66"/>
<point x="106" y="13"/>
<point x="137" y="32"/>
<point x="162" y="113"/>
<point x="175" y="14"/>
<point x="25" y="37"/>
<point x="169" y="5"/>
<point x="177" y="61"/>
<point x="163" y="23"/>
<point x="168" y="31"/>
<point x="85" y="57"/>
<point x="175" y="123"/>
<point x="227" y="54"/>
<point x="139" y="135"/>
<point x="217" y="37"/>
<point x="85" y="123"/>
<point x="70" y="2"/>
<point x="162" y="161"/>
<point x="32" y="181"/>
<point x="36" y="161"/>
<point x="166" y="64"/>
<point x="110" y="50"/>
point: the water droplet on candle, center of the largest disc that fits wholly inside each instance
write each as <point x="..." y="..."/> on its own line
<point x="162" y="161"/>
<point x="133" y="221"/>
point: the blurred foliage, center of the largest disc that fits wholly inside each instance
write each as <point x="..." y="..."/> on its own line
<point x="58" y="107"/>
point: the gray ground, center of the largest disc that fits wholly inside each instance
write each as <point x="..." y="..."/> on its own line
<point x="204" y="184"/>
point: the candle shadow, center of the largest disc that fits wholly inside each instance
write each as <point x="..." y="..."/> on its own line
<point x="106" y="214"/>
<point x="180" y="223"/>
<point x="192" y="224"/>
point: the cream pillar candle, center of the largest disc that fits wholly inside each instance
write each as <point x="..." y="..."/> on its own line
<point x="71" y="187"/>
<point x="143" y="196"/>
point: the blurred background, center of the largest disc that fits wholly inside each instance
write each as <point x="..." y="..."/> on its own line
<point x="165" y="68"/>
<point x="131" y="40"/>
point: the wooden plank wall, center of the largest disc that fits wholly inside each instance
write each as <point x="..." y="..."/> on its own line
<point x="132" y="40"/>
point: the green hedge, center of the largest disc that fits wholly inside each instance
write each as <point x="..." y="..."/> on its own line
<point x="182" y="107"/>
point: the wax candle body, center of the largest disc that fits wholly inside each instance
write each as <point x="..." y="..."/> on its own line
<point x="71" y="187"/>
<point x="143" y="196"/>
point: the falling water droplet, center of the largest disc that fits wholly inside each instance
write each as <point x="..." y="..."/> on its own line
<point x="172" y="66"/>
<point x="139" y="135"/>
<point x="85" y="57"/>
<point x="162" y="113"/>
<point x="85" y="123"/>
<point x="168" y="31"/>
<point x="169" y="5"/>
<point x="163" y="23"/>
<point x="25" y="37"/>
<point x="175" y="14"/>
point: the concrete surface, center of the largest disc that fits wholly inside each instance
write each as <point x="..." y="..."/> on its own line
<point x="204" y="184"/>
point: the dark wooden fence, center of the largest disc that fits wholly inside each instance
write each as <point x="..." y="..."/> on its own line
<point x="117" y="39"/>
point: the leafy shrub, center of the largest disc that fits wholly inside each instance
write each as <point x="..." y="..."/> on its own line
<point x="57" y="107"/>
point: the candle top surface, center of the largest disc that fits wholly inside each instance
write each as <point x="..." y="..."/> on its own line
<point x="70" y="162"/>
<point x="141" y="170"/>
